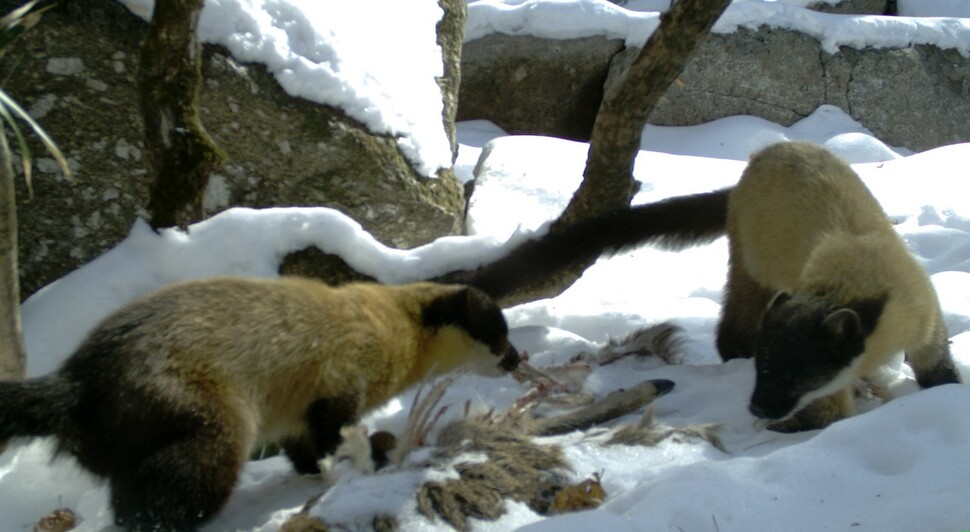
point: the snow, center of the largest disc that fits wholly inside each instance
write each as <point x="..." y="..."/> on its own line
<point x="895" y="466"/>
<point x="559" y="19"/>
<point x="935" y="8"/>
<point x="827" y="125"/>
<point x="634" y="22"/>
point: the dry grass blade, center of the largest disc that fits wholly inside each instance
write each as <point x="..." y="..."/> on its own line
<point x="648" y="432"/>
<point x="13" y="24"/>
<point x="22" y="15"/>
<point x="25" y="157"/>
<point x="8" y="105"/>
<point x="420" y="421"/>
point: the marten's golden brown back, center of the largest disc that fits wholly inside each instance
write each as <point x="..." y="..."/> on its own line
<point x="790" y="196"/>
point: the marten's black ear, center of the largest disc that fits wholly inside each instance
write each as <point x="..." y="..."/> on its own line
<point x="478" y="303"/>
<point x="470" y="309"/>
<point x="779" y="299"/>
<point x="475" y="312"/>
<point x="844" y="329"/>
<point x="444" y="310"/>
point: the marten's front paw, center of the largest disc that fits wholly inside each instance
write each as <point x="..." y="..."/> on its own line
<point x="792" y="424"/>
<point x="806" y="419"/>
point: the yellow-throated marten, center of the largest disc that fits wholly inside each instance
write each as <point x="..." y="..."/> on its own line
<point x="805" y="235"/>
<point x="817" y="261"/>
<point x="167" y="397"/>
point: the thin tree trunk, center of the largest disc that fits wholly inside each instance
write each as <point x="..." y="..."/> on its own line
<point x="608" y="182"/>
<point x="180" y="152"/>
<point x="451" y="31"/>
<point x="13" y="356"/>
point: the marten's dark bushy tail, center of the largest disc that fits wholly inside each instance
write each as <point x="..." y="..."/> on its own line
<point x="35" y="407"/>
<point x="674" y="223"/>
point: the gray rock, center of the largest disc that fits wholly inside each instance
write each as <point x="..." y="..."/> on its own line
<point x="854" y="7"/>
<point x="530" y="85"/>
<point x="776" y="75"/>
<point x="915" y="97"/>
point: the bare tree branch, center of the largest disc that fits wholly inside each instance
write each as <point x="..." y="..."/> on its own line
<point x="608" y="183"/>
<point x="180" y="152"/>
<point x="451" y="30"/>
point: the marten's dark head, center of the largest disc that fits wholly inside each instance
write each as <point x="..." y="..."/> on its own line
<point x="470" y="312"/>
<point x="807" y="348"/>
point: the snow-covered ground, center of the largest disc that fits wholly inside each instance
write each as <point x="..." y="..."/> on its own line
<point x="897" y="466"/>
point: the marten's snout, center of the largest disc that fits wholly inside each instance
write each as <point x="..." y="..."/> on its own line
<point x="757" y="411"/>
<point x="510" y="359"/>
<point x="778" y="409"/>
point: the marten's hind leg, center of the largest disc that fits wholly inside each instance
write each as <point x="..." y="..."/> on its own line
<point x="932" y="363"/>
<point x="745" y="301"/>
<point x="185" y="482"/>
